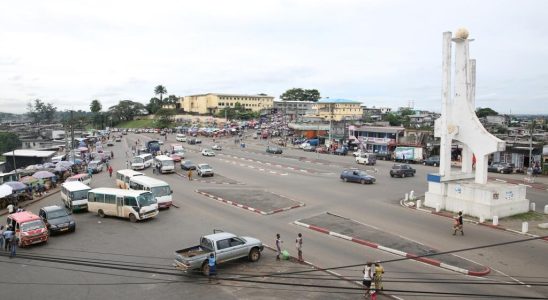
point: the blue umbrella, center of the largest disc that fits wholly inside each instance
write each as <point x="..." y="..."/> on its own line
<point x="16" y="185"/>
<point x="43" y="174"/>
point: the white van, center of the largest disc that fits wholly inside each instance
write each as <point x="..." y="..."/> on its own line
<point x="135" y="205"/>
<point x="75" y="195"/>
<point x="82" y="177"/>
<point x="123" y="176"/>
<point x="142" y="161"/>
<point x="165" y="164"/>
<point x="180" y="137"/>
<point x="160" y="189"/>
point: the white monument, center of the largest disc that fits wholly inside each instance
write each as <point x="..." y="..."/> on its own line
<point x="466" y="190"/>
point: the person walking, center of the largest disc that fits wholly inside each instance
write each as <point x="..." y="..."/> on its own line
<point x="110" y="171"/>
<point x="189" y="174"/>
<point x="278" y="246"/>
<point x="90" y="172"/>
<point x="458" y="224"/>
<point x="212" y="263"/>
<point x="299" y="246"/>
<point x="1" y="236"/>
<point x="379" y="271"/>
<point x="8" y="234"/>
<point x="368" y="274"/>
<point x="13" y="245"/>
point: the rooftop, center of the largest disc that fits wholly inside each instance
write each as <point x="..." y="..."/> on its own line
<point x="30" y="153"/>
<point x="329" y="100"/>
<point x="230" y="95"/>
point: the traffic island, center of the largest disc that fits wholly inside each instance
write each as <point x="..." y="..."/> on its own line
<point x="370" y="236"/>
<point x="215" y="179"/>
<point x="255" y="200"/>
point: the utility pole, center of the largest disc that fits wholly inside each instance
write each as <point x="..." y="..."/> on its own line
<point x="531" y="130"/>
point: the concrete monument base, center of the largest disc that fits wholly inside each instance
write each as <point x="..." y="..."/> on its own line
<point x="478" y="200"/>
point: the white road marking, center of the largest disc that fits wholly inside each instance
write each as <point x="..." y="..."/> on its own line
<point x="514" y="279"/>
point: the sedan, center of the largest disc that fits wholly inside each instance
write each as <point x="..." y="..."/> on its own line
<point x="432" y="161"/>
<point x="57" y="219"/>
<point x="401" y="170"/>
<point x="204" y="170"/>
<point x="217" y="147"/>
<point x="500" y="168"/>
<point x="357" y="176"/>
<point x="176" y="157"/>
<point x="188" y="165"/>
<point x="274" y="150"/>
<point x="208" y="152"/>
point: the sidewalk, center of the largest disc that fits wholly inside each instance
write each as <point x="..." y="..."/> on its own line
<point x="36" y="199"/>
<point x="512" y="224"/>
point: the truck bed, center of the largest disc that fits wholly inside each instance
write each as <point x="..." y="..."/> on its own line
<point x="192" y="251"/>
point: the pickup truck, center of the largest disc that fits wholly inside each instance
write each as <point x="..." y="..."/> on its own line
<point x="225" y="246"/>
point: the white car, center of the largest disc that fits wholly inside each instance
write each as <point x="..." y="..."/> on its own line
<point x="217" y="147"/>
<point x="204" y="170"/>
<point x="207" y="152"/>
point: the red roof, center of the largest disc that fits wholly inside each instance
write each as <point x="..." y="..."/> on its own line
<point x="24" y="216"/>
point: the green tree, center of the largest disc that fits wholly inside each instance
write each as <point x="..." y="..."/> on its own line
<point x="95" y="108"/>
<point x="298" y="94"/>
<point x="126" y="110"/>
<point x="393" y="118"/>
<point x="9" y="141"/>
<point x="160" y="90"/>
<point x="484" y="112"/>
<point x="163" y="117"/>
<point x="41" y="112"/>
<point x="154" y="105"/>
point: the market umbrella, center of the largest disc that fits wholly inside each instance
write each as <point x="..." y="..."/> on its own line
<point x="16" y="185"/>
<point x="83" y="148"/>
<point x="61" y="168"/>
<point x="48" y="165"/>
<point x="28" y="180"/>
<point x="43" y="174"/>
<point x="33" y="167"/>
<point x="65" y="163"/>
<point x="5" y="190"/>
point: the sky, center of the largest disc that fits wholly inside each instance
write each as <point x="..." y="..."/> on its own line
<point x="379" y="52"/>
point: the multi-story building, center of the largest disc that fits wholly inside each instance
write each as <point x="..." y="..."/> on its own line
<point x="294" y="110"/>
<point x="212" y="103"/>
<point x="380" y="140"/>
<point x="337" y="109"/>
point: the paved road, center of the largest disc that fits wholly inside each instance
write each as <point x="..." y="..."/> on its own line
<point x="321" y="190"/>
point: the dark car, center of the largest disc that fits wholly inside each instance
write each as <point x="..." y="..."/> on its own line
<point x="502" y="168"/>
<point x="341" y="151"/>
<point x="57" y="219"/>
<point x="274" y="150"/>
<point x="188" y="165"/>
<point x="354" y="175"/>
<point x="401" y="170"/>
<point x="432" y="161"/>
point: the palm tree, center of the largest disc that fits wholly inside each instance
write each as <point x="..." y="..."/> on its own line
<point x="160" y="90"/>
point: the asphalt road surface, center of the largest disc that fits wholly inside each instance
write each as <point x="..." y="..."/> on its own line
<point x="75" y="266"/>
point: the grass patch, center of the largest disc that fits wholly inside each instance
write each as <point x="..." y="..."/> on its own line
<point x="528" y="216"/>
<point x="144" y="123"/>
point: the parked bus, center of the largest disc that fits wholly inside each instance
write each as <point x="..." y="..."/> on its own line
<point x="123" y="176"/>
<point x="165" y="163"/>
<point x="160" y="189"/>
<point x="83" y="178"/>
<point x="75" y="195"/>
<point x="142" y="161"/>
<point x="135" y="205"/>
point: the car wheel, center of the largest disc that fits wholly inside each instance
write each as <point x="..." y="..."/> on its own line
<point x="435" y="164"/>
<point x="345" y="179"/>
<point x="501" y="171"/>
<point x="413" y="174"/>
<point x="402" y="175"/>
<point x="132" y="218"/>
<point x="205" y="268"/>
<point x="362" y="181"/>
<point x="391" y="175"/>
<point x="254" y="255"/>
<point x="424" y="163"/>
<point x="101" y="213"/>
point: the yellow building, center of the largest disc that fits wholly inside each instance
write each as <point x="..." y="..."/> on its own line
<point x="337" y="109"/>
<point x="212" y="103"/>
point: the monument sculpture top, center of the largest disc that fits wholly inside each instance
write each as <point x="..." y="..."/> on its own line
<point x="458" y="119"/>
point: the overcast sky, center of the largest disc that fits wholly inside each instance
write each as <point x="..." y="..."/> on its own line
<point x="383" y="53"/>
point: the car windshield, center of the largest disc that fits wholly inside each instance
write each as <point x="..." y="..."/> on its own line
<point x="205" y="166"/>
<point x="160" y="191"/>
<point x="167" y="163"/>
<point x="137" y="160"/>
<point x="32" y="225"/>
<point x="79" y="195"/>
<point x="92" y="164"/>
<point x="362" y="173"/>
<point x="146" y="199"/>
<point x="57" y="214"/>
<point x="188" y="163"/>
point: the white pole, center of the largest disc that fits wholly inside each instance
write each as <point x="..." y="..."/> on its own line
<point x="524" y="227"/>
<point x="495" y="221"/>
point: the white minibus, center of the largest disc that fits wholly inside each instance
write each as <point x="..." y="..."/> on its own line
<point x="82" y="177"/>
<point x="123" y="176"/>
<point x="135" y="205"/>
<point x="160" y="189"/>
<point x="75" y="195"/>
<point x="142" y="161"/>
<point x="165" y="164"/>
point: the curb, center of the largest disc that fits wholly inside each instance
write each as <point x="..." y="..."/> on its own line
<point x="426" y="260"/>
<point x="264" y="213"/>
<point x="27" y="203"/>
<point x="402" y="203"/>
<point x="214" y="182"/>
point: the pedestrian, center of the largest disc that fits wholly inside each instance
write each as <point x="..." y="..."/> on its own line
<point x="153" y="170"/>
<point x="11" y="209"/>
<point x="212" y="263"/>
<point x="278" y="246"/>
<point x="1" y="236"/>
<point x="110" y="171"/>
<point x="299" y="245"/>
<point x="127" y="164"/>
<point x="90" y="172"/>
<point x="189" y="174"/>
<point x="8" y="234"/>
<point x="107" y="164"/>
<point x="379" y="271"/>
<point x="112" y="154"/>
<point x="368" y="274"/>
<point x="458" y="224"/>
<point x="13" y="245"/>
<point x="20" y="209"/>
<point x="54" y="181"/>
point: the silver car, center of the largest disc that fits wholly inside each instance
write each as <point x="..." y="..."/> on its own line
<point x="204" y="170"/>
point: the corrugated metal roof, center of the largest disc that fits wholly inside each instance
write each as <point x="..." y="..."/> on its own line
<point x="329" y="100"/>
<point x="30" y="153"/>
<point x="230" y="95"/>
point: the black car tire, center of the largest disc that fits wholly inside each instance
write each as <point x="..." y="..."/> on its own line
<point x="362" y="181"/>
<point x="101" y="213"/>
<point x="132" y="218"/>
<point x="345" y="179"/>
<point x="254" y="255"/>
<point x="402" y="175"/>
<point x="205" y="268"/>
<point x="435" y="164"/>
<point x="391" y="175"/>
<point x="501" y="171"/>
